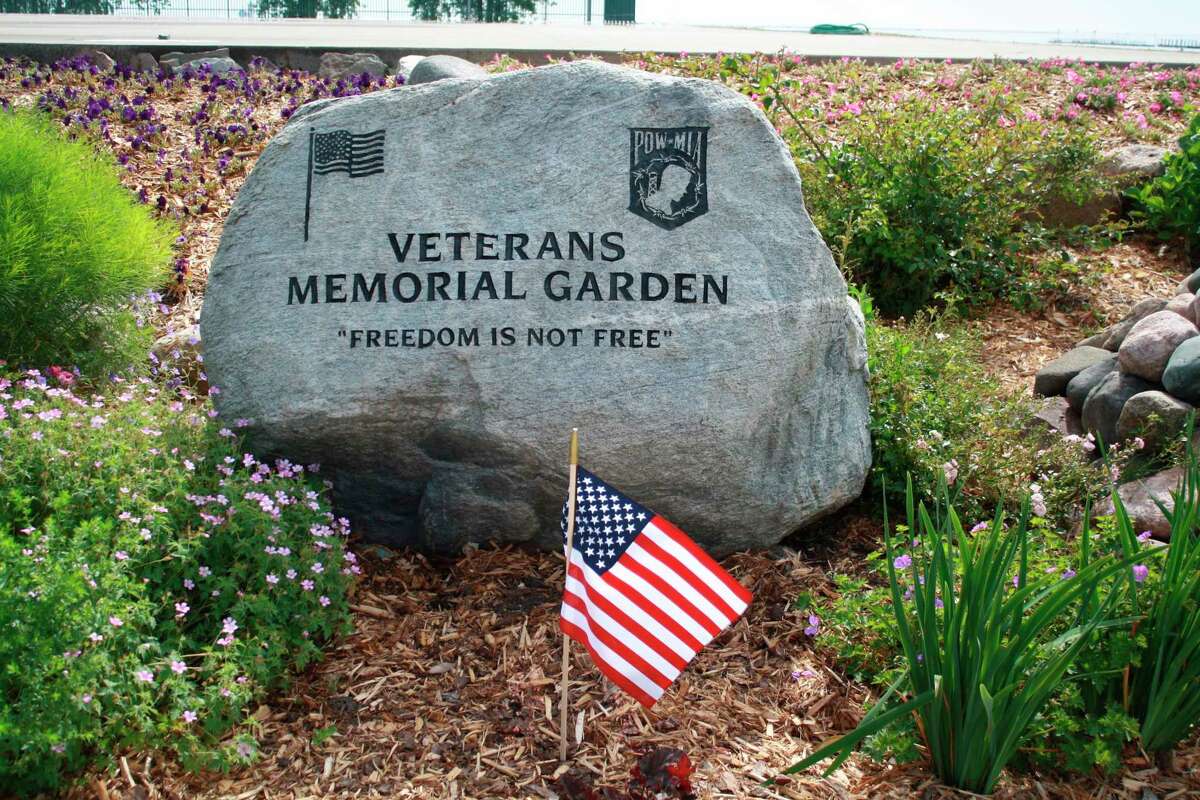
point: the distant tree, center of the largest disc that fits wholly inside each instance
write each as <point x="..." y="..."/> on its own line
<point x="330" y="9"/>
<point x="472" y="10"/>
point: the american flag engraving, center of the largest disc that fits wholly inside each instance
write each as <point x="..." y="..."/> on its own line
<point x="641" y="596"/>
<point x="357" y="155"/>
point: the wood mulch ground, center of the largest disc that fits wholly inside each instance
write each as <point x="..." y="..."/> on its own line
<point x="1017" y="344"/>
<point x="448" y="689"/>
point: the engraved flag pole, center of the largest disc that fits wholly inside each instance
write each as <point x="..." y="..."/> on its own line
<point x="312" y="132"/>
<point x="566" y="648"/>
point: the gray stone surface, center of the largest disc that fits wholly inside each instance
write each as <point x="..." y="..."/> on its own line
<point x="101" y="59"/>
<point x="1182" y="375"/>
<point x="218" y="66"/>
<point x="1097" y="339"/>
<point x="144" y="62"/>
<point x="1102" y="409"/>
<point x="1057" y="415"/>
<point x="1082" y="384"/>
<point x="1191" y="283"/>
<point x="404" y="66"/>
<point x="436" y="68"/>
<point x="336" y="66"/>
<point x="1151" y="342"/>
<point x="169" y="61"/>
<point x="1135" y="161"/>
<point x="1136" y="314"/>
<point x="1184" y="305"/>
<point x="1155" y="416"/>
<point x="747" y="421"/>
<point x="1052" y="379"/>
<point x="1139" y="497"/>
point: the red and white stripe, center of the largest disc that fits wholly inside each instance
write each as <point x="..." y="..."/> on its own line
<point x="645" y="618"/>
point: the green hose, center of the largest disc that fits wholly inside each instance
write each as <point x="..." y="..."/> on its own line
<point x="857" y="29"/>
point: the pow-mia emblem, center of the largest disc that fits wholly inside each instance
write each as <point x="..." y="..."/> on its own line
<point x="668" y="181"/>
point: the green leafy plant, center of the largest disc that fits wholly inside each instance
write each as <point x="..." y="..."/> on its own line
<point x="1170" y="204"/>
<point x="1164" y="691"/>
<point x="923" y="199"/>
<point x="975" y="627"/>
<point x="937" y="414"/>
<point x="75" y="249"/>
<point x="154" y="577"/>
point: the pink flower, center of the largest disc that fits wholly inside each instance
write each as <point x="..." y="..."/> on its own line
<point x="1069" y="573"/>
<point x="324" y="600"/>
<point x="1144" y="536"/>
<point x="229" y="625"/>
<point x="1140" y="572"/>
<point x="307" y="585"/>
<point x="950" y="468"/>
<point x="115" y="621"/>
<point x="272" y="579"/>
<point x="178" y="667"/>
<point x="1005" y="122"/>
<point x="121" y="555"/>
<point x="145" y="676"/>
<point x="189" y="716"/>
<point x="902" y="562"/>
<point x="181" y="609"/>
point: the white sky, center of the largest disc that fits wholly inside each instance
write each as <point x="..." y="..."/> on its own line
<point x="1161" y="17"/>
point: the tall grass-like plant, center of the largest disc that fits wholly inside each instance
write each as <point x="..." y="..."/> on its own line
<point x="981" y="637"/>
<point x="75" y="246"/>
<point x="1164" y="691"/>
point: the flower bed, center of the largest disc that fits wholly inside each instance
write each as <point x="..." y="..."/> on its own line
<point x="156" y="578"/>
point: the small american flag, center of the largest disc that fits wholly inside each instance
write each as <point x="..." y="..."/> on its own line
<point x="356" y="154"/>
<point x="640" y="595"/>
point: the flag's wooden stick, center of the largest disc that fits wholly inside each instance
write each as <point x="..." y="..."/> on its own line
<point x="566" y="650"/>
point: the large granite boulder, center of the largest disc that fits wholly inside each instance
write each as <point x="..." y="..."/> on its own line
<point x="1182" y="375"/>
<point x="217" y="61"/>
<point x="1052" y="379"/>
<point x="1082" y="384"/>
<point x="1135" y="162"/>
<point x="425" y="288"/>
<point x="440" y="68"/>
<point x="1191" y="283"/>
<point x="338" y="66"/>
<point x="1151" y="342"/>
<point x="1155" y="416"/>
<point x="1102" y="409"/>
<point x="405" y="66"/>
<point x="1143" y="309"/>
<point x="1183" y="304"/>
<point x="1141" y="498"/>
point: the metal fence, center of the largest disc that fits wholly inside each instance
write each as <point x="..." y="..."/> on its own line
<point x="585" y="11"/>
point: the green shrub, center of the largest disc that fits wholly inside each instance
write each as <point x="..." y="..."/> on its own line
<point x="75" y="248"/>
<point x="919" y="200"/>
<point x="982" y="637"/>
<point x="154" y="578"/>
<point x="936" y="413"/>
<point x="1170" y="204"/>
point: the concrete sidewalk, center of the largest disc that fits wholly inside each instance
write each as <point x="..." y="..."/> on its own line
<point x="300" y="42"/>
